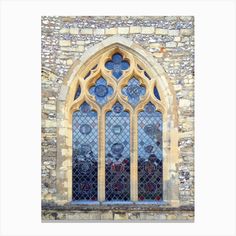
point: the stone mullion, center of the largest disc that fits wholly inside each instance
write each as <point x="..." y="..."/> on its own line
<point x="101" y="157"/>
<point x="134" y="158"/>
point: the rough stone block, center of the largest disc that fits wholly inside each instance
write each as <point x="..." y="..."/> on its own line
<point x="177" y="87"/>
<point x="161" y="31"/>
<point x="83" y="216"/>
<point x="99" y="31"/>
<point x="121" y="216"/>
<point x="49" y="123"/>
<point x="69" y="62"/>
<point x="158" y="54"/>
<point x="63" y="92"/>
<point x="65" y="43"/>
<point x="123" y="30"/>
<point x="171" y="44"/>
<point x="177" y="39"/>
<point x="186" y="32"/>
<point x="155" y="45"/>
<point x="74" y="30"/>
<point x="111" y="31"/>
<point x="49" y="107"/>
<point x="173" y="32"/>
<point x="107" y="215"/>
<point x="86" y="31"/>
<point x="147" y="30"/>
<point x="135" y="30"/>
<point x="184" y="102"/>
<point x="80" y="48"/>
<point x="64" y="31"/>
<point x="80" y="42"/>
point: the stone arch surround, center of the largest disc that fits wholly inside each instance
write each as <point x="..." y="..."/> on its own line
<point x="65" y="98"/>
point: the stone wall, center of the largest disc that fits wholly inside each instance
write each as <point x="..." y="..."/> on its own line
<point x="169" y="39"/>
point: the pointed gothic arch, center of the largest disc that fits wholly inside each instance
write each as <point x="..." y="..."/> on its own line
<point x="155" y="76"/>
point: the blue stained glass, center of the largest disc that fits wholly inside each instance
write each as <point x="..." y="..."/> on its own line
<point x="147" y="75"/>
<point x="101" y="91"/>
<point x="85" y="153"/>
<point x="78" y="92"/>
<point x="117" y="154"/>
<point x="156" y="93"/>
<point x="150" y="154"/>
<point x="133" y="91"/>
<point x="117" y="65"/>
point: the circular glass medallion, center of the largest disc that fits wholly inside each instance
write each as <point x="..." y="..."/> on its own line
<point x="118" y="167"/>
<point x="117" y="129"/>
<point x="85" y="149"/>
<point x="118" y="186"/>
<point x="101" y="90"/>
<point x="117" y="148"/>
<point x="84" y="167"/>
<point x="152" y="158"/>
<point x="150" y="167"/>
<point x="118" y="108"/>
<point x="85" y="108"/>
<point x="150" y="187"/>
<point x="85" y="129"/>
<point x="150" y="129"/>
<point x="133" y="91"/>
<point x="148" y="148"/>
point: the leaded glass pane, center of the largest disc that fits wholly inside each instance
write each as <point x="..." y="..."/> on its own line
<point x="156" y="93"/>
<point x="101" y="91"/>
<point x="78" y="92"/>
<point x="117" y="154"/>
<point x="150" y="154"/>
<point x="117" y="65"/>
<point x="85" y="153"/>
<point x="134" y="91"/>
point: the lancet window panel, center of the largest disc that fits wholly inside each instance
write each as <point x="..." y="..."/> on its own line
<point x="85" y="153"/>
<point x="150" y="155"/>
<point x="117" y="154"/>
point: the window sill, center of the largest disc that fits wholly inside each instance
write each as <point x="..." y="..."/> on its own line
<point x="118" y="203"/>
<point x="122" y="206"/>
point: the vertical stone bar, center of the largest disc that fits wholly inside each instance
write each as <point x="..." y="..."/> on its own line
<point x="134" y="158"/>
<point x="101" y="157"/>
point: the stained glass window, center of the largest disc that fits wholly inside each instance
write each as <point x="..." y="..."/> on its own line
<point x="101" y="91"/>
<point x="134" y="91"/>
<point x="85" y="153"/>
<point x="150" y="154"/>
<point x="119" y="136"/>
<point x="78" y="92"/>
<point x="117" y="154"/>
<point x="117" y="65"/>
<point x="156" y="93"/>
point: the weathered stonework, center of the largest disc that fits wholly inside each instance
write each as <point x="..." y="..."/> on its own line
<point x="170" y="40"/>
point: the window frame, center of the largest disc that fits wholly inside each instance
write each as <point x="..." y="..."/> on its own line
<point x="167" y="106"/>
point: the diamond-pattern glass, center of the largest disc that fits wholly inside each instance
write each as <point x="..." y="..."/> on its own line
<point x="150" y="154"/>
<point x="117" y="65"/>
<point x="133" y="91"/>
<point x="85" y="153"/>
<point x="101" y="91"/>
<point x="117" y="154"/>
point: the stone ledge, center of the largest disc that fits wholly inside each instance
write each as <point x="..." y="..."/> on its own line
<point x="118" y="215"/>
<point x="122" y="207"/>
